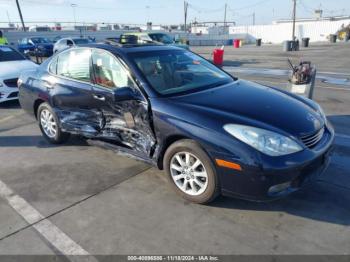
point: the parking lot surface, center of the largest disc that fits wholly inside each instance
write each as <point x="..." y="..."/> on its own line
<point x="81" y="199"/>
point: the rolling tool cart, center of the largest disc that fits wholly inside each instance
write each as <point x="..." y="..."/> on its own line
<point x="302" y="79"/>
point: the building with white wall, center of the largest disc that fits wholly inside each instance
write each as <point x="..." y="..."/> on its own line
<point x="317" y="29"/>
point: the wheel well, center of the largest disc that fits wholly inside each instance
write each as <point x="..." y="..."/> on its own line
<point x="168" y="142"/>
<point x="37" y="103"/>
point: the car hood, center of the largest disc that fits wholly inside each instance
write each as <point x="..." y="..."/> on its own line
<point x="13" y="69"/>
<point x="248" y="103"/>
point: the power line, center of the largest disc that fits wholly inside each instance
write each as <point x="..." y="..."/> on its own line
<point x="205" y="10"/>
<point x="250" y="6"/>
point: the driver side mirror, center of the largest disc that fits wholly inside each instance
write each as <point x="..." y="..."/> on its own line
<point x="125" y="94"/>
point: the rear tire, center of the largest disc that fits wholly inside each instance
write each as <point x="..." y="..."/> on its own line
<point x="191" y="172"/>
<point x="49" y="125"/>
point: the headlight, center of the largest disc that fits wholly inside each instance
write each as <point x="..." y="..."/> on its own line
<point x="19" y="82"/>
<point x="270" y="143"/>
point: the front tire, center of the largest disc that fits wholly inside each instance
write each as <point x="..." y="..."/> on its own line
<point x="191" y="172"/>
<point x="49" y="125"/>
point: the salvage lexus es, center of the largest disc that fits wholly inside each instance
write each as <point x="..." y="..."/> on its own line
<point x="212" y="133"/>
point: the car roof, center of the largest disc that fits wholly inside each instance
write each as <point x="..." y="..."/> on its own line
<point x="136" y="33"/>
<point x="73" y="38"/>
<point x="132" y="48"/>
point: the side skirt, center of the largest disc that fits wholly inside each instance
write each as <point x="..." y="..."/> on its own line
<point x="122" y="151"/>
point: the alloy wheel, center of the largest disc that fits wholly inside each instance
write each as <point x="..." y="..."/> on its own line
<point x="48" y="123"/>
<point x="188" y="173"/>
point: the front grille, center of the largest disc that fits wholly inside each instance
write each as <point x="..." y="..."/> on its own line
<point x="311" y="140"/>
<point x="11" y="82"/>
<point x="13" y="94"/>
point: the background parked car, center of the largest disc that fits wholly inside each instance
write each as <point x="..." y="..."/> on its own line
<point x="159" y="38"/>
<point x="69" y="42"/>
<point x="12" y="63"/>
<point x="56" y="38"/>
<point x="32" y="44"/>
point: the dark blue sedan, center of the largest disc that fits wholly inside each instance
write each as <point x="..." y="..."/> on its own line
<point x="212" y="133"/>
<point x="40" y="46"/>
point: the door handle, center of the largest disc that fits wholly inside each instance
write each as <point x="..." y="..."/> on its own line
<point x="99" y="97"/>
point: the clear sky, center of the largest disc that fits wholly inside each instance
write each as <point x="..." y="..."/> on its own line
<point x="165" y="11"/>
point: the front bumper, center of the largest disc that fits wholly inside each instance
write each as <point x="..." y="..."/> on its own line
<point x="275" y="177"/>
<point x="8" y="93"/>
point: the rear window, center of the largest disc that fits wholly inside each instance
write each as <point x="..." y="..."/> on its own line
<point x="40" y="40"/>
<point x="9" y="54"/>
<point x="81" y="41"/>
<point x="74" y="64"/>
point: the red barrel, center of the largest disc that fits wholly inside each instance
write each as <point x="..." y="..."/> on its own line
<point x="218" y="57"/>
<point x="236" y="43"/>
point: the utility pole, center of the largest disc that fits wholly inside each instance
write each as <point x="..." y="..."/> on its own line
<point x="75" y="19"/>
<point x="225" y="15"/>
<point x="20" y="15"/>
<point x="294" y="16"/>
<point x="8" y="17"/>
<point x="185" y="14"/>
<point x="254" y="18"/>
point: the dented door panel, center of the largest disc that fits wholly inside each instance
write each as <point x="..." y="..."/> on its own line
<point x="126" y="119"/>
<point x="71" y="101"/>
<point x="126" y="122"/>
<point x="84" y="122"/>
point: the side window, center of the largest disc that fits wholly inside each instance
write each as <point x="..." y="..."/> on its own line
<point x="145" y="38"/>
<point x="53" y="66"/>
<point x="69" y="42"/>
<point x="109" y="72"/>
<point x="75" y="64"/>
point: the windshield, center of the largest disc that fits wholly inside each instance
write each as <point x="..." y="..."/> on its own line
<point x="177" y="71"/>
<point x="40" y="40"/>
<point x="81" y="41"/>
<point x="9" y="54"/>
<point x="162" y="38"/>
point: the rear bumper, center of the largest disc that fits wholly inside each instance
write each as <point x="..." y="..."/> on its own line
<point x="269" y="180"/>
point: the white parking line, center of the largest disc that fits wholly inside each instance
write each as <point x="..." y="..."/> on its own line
<point x="343" y="136"/>
<point x="279" y="84"/>
<point x="334" y="88"/>
<point x="10" y="117"/>
<point x="49" y="231"/>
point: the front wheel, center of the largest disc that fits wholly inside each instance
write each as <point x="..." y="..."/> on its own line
<point x="48" y="123"/>
<point x="191" y="172"/>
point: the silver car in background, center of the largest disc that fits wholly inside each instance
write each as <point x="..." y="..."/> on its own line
<point x="69" y="42"/>
<point x="12" y="64"/>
